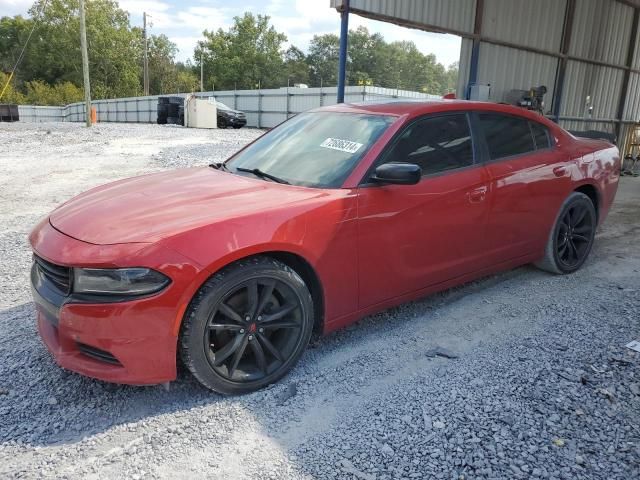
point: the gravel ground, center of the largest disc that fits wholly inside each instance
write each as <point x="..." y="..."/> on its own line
<point x="520" y="375"/>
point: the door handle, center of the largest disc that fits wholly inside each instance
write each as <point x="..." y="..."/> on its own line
<point x="559" y="171"/>
<point x="477" y="195"/>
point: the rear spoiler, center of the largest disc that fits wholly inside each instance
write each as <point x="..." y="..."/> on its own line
<point x="596" y="135"/>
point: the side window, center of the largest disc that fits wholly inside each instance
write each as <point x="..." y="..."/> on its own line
<point x="540" y="135"/>
<point x="505" y="135"/>
<point x="436" y="144"/>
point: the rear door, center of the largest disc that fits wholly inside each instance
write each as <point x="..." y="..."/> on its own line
<point x="414" y="236"/>
<point x="529" y="180"/>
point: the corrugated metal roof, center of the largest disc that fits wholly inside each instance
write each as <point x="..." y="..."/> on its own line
<point x="601" y="31"/>
<point x="448" y="14"/>
<point x="602" y="84"/>
<point x="511" y="21"/>
<point x="508" y="68"/>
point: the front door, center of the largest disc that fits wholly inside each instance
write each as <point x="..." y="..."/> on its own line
<point x="414" y="236"/>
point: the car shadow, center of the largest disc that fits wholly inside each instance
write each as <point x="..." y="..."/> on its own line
<point x="43" y="405"/>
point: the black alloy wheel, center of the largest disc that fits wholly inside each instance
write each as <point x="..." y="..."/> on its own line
<point x="247" y="326"/>
<point x="253" y="330"/>
<point x="222" y="122"/>
<point x="572" y="236"/>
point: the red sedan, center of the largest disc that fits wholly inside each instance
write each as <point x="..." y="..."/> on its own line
<point x="335" y="214"/>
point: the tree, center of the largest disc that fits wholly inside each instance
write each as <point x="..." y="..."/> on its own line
<point x="296" y="68"/>
<point x="163" y="72"/>
<point x="247" y="55"/>
<point x="13" y="34"/>
<point x="372" y="61"/>
<point x="323" y="59"/>
<point x="53" y="54"/>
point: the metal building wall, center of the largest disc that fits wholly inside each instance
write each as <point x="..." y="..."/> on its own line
<point x="576" y="48"/>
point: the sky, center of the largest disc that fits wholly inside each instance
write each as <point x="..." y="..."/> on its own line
<point x="184" y="21"/>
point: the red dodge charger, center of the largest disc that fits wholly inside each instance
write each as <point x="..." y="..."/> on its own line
<point x="335" y="214"/>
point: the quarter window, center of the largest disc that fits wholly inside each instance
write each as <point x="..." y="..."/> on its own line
<point x="506" y="136"/>
<point x="436" y="144"/>
<point x="540" y="135"/>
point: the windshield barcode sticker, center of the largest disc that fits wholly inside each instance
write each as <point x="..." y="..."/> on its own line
<point x="342" y="145"/>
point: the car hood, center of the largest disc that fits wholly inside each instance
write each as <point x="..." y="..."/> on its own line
<point x="152" y="207"/>
<point x="234" y="112"/>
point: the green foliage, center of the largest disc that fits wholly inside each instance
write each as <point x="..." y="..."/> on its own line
<point x="247" y="55"/>
<point x="40" y="93"/>
<point x="11" y="95"/>
<point x="53" y="54"/>
<point x="165" y="75"/>
<point x="296" y="68"/>
<point x="372" y="61"/>
<point x="323" y="59"/>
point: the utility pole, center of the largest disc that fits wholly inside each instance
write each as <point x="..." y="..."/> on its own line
<point x="145" y="68"/>
<point x="201" y="73"/>
<point x="85" y="64"/>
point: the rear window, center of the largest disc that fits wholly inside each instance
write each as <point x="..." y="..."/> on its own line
<point x="540" y="135"/>
<point x="506" y="136"/>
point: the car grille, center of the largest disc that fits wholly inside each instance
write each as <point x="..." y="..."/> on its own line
<point x="97" y="354"/>
<point x="58" y="275"/>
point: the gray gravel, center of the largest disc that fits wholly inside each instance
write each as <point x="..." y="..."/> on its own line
<point x="520" y="375"/>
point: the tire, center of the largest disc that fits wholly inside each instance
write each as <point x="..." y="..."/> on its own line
<point x="237" y="126"/>
<point x="173" y="120"/>
<point x="222" y="123"/>
<point x="231" y="355"/>
<point x="571" y="238"/>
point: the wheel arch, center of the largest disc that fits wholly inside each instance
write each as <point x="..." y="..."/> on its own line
<point x="294" y="260"/>
<point x="591" y="191"/>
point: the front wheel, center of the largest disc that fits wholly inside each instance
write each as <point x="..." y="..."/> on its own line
<point x="247" y="326"/>
<point x="572" y="236"/>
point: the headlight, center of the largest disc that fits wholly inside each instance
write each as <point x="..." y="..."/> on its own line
<point x="118" y="281"/>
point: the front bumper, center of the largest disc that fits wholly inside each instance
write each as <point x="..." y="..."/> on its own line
<point x="236" y="122"/>
<point x="131" y="342"/>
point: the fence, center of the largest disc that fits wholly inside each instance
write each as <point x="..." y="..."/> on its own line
<point x="264" y="108"/>
<point x="32" y="113"/>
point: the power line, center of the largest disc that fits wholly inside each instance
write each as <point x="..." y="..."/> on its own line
<point x="42" y="5"/>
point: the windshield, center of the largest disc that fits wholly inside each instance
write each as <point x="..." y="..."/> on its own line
<point x="222" y="106"/>
<point x="317" y="149"/>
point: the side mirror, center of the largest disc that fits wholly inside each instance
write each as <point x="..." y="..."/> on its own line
<point x="398" y="173"/>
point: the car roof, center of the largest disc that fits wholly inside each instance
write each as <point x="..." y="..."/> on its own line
<point x="412" y="108"/>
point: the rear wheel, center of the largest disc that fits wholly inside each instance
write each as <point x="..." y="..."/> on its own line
<point x="222" y="122"/>
<point x="572" y="236"/>
<point x="247" y="326"/>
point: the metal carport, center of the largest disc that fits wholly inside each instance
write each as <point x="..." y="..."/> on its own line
<point x="577" y="48"/>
